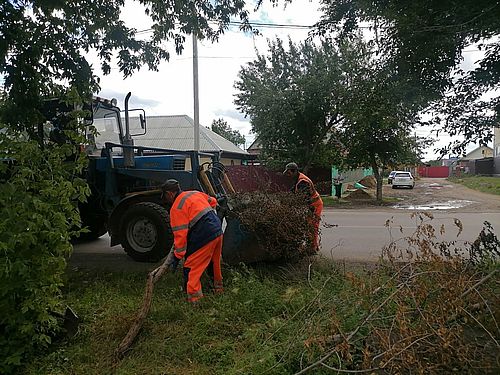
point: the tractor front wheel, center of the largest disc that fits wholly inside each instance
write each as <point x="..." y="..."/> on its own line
<point x="145" y="232"/>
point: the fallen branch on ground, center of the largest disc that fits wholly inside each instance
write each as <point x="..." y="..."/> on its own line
<point x="351" y="335"/>
<point x="153" y="278"/>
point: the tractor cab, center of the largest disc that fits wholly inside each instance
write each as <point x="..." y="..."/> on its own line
<point x="109" y="124"/>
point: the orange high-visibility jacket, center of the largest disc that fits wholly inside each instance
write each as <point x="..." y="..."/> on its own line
<point x="313" y="195"/>
<point x="194" y="222"/>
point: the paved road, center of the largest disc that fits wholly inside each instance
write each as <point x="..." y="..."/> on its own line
<point x="98" y="255"/>
<point x="359" y="236"/>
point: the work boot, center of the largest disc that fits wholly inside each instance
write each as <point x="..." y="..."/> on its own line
<point x="195" y="304"/>
<point x="218" y="287"/>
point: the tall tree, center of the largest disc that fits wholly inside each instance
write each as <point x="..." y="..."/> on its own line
<point x="333" y="104"/>
<point x="222" y="128"/>
<point x="426" y="39"/>
<point x="294" y="98"/>
<point x="379" y="117"/>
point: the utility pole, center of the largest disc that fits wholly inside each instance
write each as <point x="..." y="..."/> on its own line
<point x="196" y="94"/>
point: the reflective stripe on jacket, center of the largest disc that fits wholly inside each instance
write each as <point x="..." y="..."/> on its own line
<point x="313" y="194"/>
<point x="194" y="222"/>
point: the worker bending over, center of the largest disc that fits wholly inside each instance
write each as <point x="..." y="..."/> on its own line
<point x="197" y="237"/>
<point x="304" y="185"/>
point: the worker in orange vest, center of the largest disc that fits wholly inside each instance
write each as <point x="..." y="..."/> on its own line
<point x="197" y="237"/>
<point x="304" y="185"/>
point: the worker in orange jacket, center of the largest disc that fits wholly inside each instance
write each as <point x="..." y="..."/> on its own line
<point x="197" y="237"/>
<point x="304" y="185"/>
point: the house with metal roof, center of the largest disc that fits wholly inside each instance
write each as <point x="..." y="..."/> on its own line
<point x="255" y="148"/>
<point x="478" y="153"/>
<point x="176" y="133"/>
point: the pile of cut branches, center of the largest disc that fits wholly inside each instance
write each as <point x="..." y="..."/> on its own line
<point x="281" y="222"/>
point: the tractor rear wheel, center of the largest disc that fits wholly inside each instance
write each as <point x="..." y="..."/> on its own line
<point x="145" y="232"/>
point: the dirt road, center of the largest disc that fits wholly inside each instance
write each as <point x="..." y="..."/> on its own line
<point x="440" y="194"/>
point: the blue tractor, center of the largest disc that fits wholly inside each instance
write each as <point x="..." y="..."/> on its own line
<point x="125" y="179"/>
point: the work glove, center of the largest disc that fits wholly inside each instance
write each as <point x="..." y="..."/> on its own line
<point x="221" y="201"/>
<point x="222" y="207"/>
<point x="172" y="261"/>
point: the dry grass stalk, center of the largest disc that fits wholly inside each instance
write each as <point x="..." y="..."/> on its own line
<point x="434" y="310"/>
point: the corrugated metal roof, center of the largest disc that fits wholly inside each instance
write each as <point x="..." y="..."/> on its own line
<point x="176" y="132"/>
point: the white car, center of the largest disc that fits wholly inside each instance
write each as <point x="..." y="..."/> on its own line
<point x="403" y="179"/>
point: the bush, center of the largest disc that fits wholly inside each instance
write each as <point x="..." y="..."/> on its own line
<point x="38" y="190"/>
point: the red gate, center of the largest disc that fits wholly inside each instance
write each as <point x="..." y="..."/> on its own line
<point x="434" y="172"/>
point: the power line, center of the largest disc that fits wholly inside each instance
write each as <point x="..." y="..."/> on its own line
<point x="257" y="24"/>
<point x="216" y="57"/>
<point x="272" y="25"/>
<point x="251" y="23"/>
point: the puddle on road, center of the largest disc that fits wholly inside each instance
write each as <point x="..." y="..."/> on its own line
<point x="437" y="186"/>
<point x="435" y="205"/>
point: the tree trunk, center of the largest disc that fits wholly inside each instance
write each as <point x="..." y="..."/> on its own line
<point x="378" y="177"/>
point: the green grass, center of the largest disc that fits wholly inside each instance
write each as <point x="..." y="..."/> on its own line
<point x="261" y="323"/>
<point x="334" y="202"/>
<point x="490" y="185"/>
<point x="344" y="203"/>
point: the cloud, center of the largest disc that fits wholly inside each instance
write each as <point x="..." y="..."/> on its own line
<point x="135" y="101"/>
<point x="232" y="113"/>
<point x="470" y="56"/>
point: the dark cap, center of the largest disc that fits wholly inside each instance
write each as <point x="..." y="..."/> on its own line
<point x="171" y="185"/>
<point x="291" y="167"/>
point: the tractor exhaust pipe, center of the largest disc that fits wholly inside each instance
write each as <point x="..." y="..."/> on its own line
<point x="128" y="152"/>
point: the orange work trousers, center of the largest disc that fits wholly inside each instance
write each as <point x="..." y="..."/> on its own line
<point x="318" y="209"/>
<point x="207" y="258"/>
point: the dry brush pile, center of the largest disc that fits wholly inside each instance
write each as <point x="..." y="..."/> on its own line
<point x="430" y="307"/>
<point x="280" y="222"/>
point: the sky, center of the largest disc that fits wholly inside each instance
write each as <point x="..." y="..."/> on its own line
<point x="170" y="90"/>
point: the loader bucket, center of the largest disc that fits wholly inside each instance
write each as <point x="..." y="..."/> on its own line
<point x="240" y="245"/>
